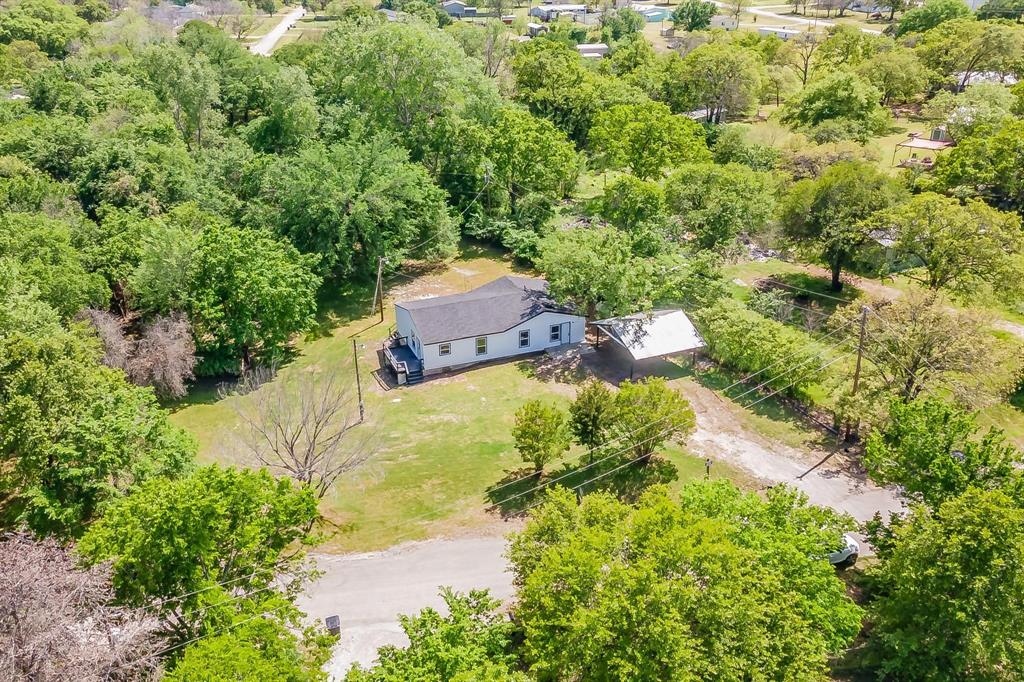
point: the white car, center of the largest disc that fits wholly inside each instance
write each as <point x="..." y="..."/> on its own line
<point x="847" y="555"/>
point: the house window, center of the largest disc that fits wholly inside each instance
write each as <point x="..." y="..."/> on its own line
<point x="444" y="349"/>
<point x="524" y="338"/>
<point x="481" y="345"/>
<point x="556" y="333"/>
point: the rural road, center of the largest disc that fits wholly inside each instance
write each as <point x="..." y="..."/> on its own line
<point x="265" y="45"/>
<point x="370" y="591"/>
<point x="789" y="19"/>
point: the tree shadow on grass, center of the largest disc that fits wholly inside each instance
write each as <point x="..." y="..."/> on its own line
<point x="807" y="290"/>
<point x="519" y="490"/>
<point x="552" y="368"/>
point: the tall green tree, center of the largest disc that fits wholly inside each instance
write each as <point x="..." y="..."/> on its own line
<point x="935" y="451"/>
<point x="931" y="14"/>
<point x="248" y="293"/>
<point x="634" y="205"/>
<point x="591" y="414"/>
<point x="985" y="167"/>
<point x="595" y="270"/>
<point x="961" y="248"/>
<point x="720" y="584"/>
<point x="693" y="15"/>
<point x="950" y="602"/>
<point x="353" y="203"/>
<point x="50" y="24"/>
<point x="827" y="213"/>
<point x="541" y="434"/>
<point x="722" y="78"/>
<point x="74" y="435"/>
<point x="898" y="75"/>
<point x="960" y="48"/>
<point x="49" y="258"/>
<point x="718" y="202"/>
<point x="841" y="100"/>
<point x="646" y="139"/>
<point x="529" y="155"/>
<point x="183" y="547"/>
<point x="407" y="79"/>
<point x="648" y="413"/>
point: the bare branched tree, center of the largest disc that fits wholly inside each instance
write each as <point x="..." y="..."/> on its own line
<point x="110" y="328"/>
<point x="164" y="356"/>
<point x="305" y="425"/>
<point x="55" y="622"/>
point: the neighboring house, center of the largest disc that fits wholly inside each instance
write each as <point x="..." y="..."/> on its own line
<point x="505" y="318"/>
<point x="552" y="12"/>
<point x="778" y="31"/>
<point x="723" y="22"/>
<point x="592" y="50"/>
<point x="534" y="29"/>
<point x="458" y="9"/>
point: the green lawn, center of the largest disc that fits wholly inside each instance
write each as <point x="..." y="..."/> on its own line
<point x="442" y="446"/>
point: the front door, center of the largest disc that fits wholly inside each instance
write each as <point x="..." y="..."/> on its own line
<point x="564" y="336"/>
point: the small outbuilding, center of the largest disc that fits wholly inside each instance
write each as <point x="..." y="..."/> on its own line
<point x="657" y="334"/>
<point x="592" y="50"/>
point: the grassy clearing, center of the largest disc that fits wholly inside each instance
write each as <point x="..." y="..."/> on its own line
<point x="442" y="446"/>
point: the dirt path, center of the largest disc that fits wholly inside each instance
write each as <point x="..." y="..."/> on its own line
<point x="838" y="482"/>
<point x="879" y="290"/>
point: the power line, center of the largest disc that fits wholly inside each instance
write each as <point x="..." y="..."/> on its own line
<point x="222" y="630"/>
<point x="635" y="459"/>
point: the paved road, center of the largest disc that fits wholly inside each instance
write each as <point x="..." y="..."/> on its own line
<point x="788" y="19"/>
<point x="370" y="591"/>
<point x="265" y="45"/>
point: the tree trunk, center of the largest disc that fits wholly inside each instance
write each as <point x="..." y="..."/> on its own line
<point x="837" y="269"/>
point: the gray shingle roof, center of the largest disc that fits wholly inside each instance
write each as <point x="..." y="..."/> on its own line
<point x="489" y="309"/>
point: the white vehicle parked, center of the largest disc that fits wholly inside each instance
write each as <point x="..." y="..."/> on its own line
<point x="847" y="555"/>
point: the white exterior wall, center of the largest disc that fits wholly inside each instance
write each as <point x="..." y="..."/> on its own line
<point x="405" y="327"/>
<point x="503" y="345"/>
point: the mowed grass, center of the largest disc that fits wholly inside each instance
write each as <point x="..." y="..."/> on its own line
<point x="440" y="447"/>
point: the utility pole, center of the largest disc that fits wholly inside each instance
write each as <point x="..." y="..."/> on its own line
<point x="359" y="383"/>
<point x="860" y="355"/>
<point x="860" y="348"/>
<point x="378" y="291"/>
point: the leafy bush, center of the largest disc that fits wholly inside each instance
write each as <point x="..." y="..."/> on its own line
<point x="789" y="360"/>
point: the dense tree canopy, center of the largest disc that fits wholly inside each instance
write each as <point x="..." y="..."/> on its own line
<point x="717" y="202"/>
<point x="353" y="203"/>
<point x="215" y="526"/>
<point x="247" y="294"/>
<point x="74" y="435"/>
<point x="951" y="593"/>
<point x="958" y="247"/>
<point x="646" y="139"/>
<point x="719" y="584"/>
<point x="933" y="451"/>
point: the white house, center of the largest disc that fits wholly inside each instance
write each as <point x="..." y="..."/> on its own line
<point x="723" y="22"/>
<point x="779" y="31"/>
<point x="505" y="318"/>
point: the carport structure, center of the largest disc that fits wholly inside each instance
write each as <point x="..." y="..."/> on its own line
<point x="655" y="334"/>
